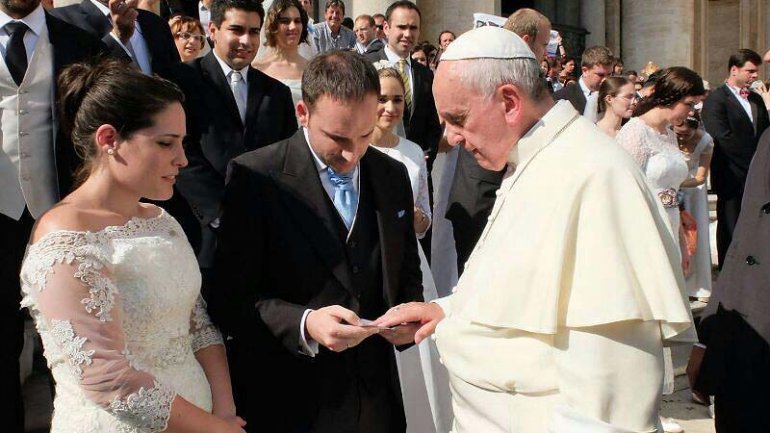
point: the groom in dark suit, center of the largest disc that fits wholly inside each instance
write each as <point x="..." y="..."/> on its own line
<point x="316" y="233"/>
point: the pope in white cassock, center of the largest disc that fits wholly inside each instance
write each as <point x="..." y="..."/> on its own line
<point x="558" y="322"/>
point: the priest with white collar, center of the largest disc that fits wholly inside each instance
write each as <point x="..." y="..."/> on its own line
<point x="558" y="322"/>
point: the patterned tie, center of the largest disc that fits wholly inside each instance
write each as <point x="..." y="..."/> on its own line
<point x="407" y="84"/>
<point x="15" y="52"/>
<point x="345" y="197"/>
<point x="744" y="92"/>
<point x="239" y="93"/>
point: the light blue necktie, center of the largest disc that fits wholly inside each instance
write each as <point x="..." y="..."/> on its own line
<point x="345" y="197"/>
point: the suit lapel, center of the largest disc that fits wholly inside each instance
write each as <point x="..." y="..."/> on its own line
<point x="737" y="105"/>
<point x="95" y="17"/>
<point x="306" y="201"/>
<point x="212" y="72"/>
<point x="417" y="83"/>
<point x="391" y="238"/>
<point x="254" y="100"/>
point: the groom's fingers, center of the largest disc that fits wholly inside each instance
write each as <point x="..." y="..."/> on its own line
<point x="344" y="314"/>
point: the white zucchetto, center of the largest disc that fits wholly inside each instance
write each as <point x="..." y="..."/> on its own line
<point x="488" y="42"/>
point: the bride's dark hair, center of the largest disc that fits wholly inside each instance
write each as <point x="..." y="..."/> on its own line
<point x="673" y="84"/>
<point x="108" y="92"/>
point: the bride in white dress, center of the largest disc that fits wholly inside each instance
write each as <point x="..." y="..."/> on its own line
<point x="112" y="283"/>
<point x="651" y="142"/>
<point x="424" y="381"/>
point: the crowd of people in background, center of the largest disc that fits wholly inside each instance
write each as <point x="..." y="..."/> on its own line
<point x="208" y="87"/>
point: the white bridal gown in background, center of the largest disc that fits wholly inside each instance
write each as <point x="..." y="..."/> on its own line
<point x="120" y="315"/>
<point x="424" y="381"/>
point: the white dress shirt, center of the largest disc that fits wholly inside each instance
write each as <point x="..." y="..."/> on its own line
<point x="138" y="52"/>
<point x="309" y="346"/>
<point x="204" y="16"/>
<point x="227" y="70"/>
<point x="393" y="58"/>
<point x="35" y="21"/>
<point x="743" y="101"/>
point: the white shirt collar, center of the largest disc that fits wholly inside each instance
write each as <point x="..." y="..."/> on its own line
<point x="319" y="165"/>
<point x="394" y="58"/>
<point x="201" y="7"/>
<point x="227" y="69"/>
<point x="35" y="20"/>
<point x="583" y="87"/>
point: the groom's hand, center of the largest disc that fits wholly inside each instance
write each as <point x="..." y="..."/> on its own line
<point x="336" y="328"/>
<point x="425" y="315"/>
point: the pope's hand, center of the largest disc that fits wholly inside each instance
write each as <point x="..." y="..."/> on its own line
<point x="336" y="328"/>
<point x="401" y="335"/>
<point x="424" y="315"/>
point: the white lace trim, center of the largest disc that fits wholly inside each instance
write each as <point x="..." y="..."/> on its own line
<point x="204" y="333"/>
<point x="205" y="337"/>
<point x="71" y="346"/>
<point x="149" y="408"/>
<point x="89" y="249"/>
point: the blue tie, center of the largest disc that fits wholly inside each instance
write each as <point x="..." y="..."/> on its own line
<point x="345" y="197"/>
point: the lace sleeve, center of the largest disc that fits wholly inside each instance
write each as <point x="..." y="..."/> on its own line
<point x="632" y="138"/>
<point x="204" y="333"/>
<point x="423" y="198"/>
<point x="68" y="287"/>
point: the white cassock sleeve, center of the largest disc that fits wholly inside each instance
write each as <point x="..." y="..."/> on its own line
<point x="609" y="377"/>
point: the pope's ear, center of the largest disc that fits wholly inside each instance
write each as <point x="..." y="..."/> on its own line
<point x="511" y="97"/>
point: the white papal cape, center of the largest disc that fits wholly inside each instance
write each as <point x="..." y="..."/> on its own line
<point x="558" y="321"/>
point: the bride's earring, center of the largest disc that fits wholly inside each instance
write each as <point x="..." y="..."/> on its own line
<point x="110" y="151"/>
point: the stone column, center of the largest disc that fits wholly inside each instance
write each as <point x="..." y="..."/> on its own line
<point x="592" y="18"/>
<point x="355" y="8"/>
<point x="657" y="30"/>
<point x="454" y="15"/>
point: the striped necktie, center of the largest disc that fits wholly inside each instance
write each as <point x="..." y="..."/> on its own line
<point x="407" y="84"/>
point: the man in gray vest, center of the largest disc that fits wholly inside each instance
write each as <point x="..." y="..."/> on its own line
<point x="36" y="161"/>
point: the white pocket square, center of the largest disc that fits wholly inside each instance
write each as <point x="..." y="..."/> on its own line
<point x="401" y="213"/>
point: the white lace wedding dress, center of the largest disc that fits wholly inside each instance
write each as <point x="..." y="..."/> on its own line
<point x="121" y="317"/>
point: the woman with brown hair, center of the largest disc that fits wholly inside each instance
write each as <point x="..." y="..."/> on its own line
<point x="650" y="141"/>
<point x="616" y="102"/>
<point x="112" y="283"/>
<point x="285" y="29"/>
<point x="189" y="36"/>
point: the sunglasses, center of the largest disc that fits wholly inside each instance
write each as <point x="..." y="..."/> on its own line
<point x="378" y="27"/>
<point x="186" y="36"/>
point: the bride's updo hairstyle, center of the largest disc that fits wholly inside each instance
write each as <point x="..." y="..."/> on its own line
<point x="673" y="84"/>
<point x="108" y="92"/>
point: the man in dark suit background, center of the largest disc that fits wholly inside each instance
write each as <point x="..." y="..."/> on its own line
<point x="366" y="40"/>
<point x="402" y="28"/>
<point x="596" y="65"/>
<point x="316" y="233"/>
<point x="231" y="108"/>
<point x="138" y="34"/>
<point x="38" y="160"/>
<point x="735" y="117"/>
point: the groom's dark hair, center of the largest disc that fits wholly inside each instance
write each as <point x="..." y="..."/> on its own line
<point x="342" y="75"/>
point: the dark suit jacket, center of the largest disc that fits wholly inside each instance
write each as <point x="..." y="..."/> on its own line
<point x="279" y="254"/>
<point x="422" y="125"/>
<point x="574" y="94"/>
<point x="215" y="133"/>
<point x="156" y="32"/>
<point x="735" y="327"/>
<point x="470" y="202"/>
<point x="735" y="138"/>
<point x="376" y="45"/>
<point x="70" y="45"/>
